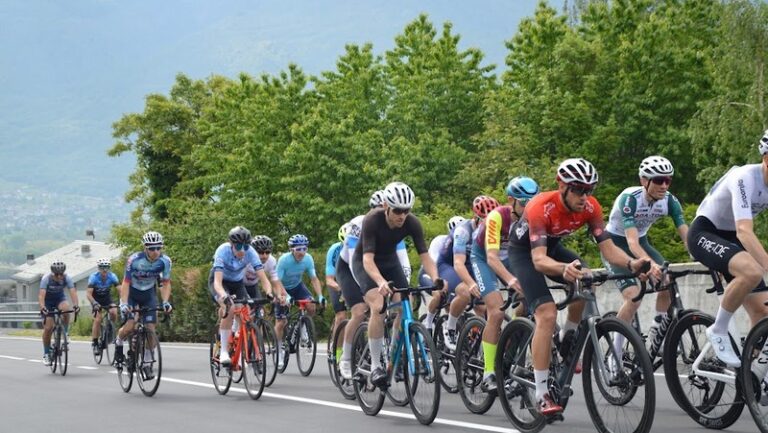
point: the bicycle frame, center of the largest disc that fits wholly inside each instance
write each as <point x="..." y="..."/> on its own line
<point x="403" y="339"/>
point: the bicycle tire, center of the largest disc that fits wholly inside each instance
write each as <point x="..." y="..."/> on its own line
<point x="148" y="384"/>
<point x="708" y="410"/>
<point x="125" y="372"/>
<point x="395" y="392"/>
<point x="63" y="357"/>
<point x="346" y="387"/>
<point x="446" y="360"/>
<point x="269" y="339"/>
<point x="220" y="376"/>
<point x="470" y="367"/>
<point x="253" y="362"/>
<point x="306" y="348"/>
<point x="108" y="340"/>
<point x="54" y="349"/>
<point x="753" y="386"/>
<point x="331" y="355"/>
<point x="423" y="386"/>
<point x="287" y="331"/>
<point x="638" y="378"/>
<point x="369" y="397"/>
<point x="98" y="357"/>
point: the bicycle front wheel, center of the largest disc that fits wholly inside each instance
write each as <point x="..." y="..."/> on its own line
<point x="470" y="366"/>
<point x="63" y="357"/>
<point x="370" y="397"/>
<point x="269" y="341"/>
<point x="625" y="400"/>
<point x="345" y="386"/>
<point x="253" y="363"/>
<point x="514" y="375"/>
<point x="108" y="339"/>
<point x="447" y="368"/>
<point x="221" y="377"/>
<point x="422" y="376"/>
<point x="306" y="349"/>
<point x="753" y="374"/>
<point x="150" y="362"/>
<point x="55" y="348"/>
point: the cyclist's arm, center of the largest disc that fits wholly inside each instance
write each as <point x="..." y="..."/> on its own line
<point x="498" y="267"/>
<point x="405" y="262"/>
<point x="369" y="265"/>
<point x="218" y="286"/>
<point x="73" y="295"/>
<point x="746" y="235"/>
<point x="265" y="284"/>
<point x="683" y="231"/>
<point x="633" y="240"/>
<point x="89" y="294"/>
<point x="676" y="213"/>
<point x="124" y="288"/>
<point x="460" y="267"/>
<point x="330" y="281"/>
<point x="165" y="291"/>
<point x="41" y="298"/>
<point x="317" y="286"/>
<point x="617" y="256"/>
<point x="545" y="264"/>
<point x="429" y="265"/>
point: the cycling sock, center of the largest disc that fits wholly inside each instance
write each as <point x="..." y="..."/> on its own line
<point x="118" y="342"/>
<point x="147" y="355"/>
<point x="346" y="351"/>
<point x="618" y="345"/>
<point x="235" y="326"/>
<point x="567" y="327"/>
<point x="66" y="328"/>
<point x="224" y="335"/>
<point x="376" y="345"/>
<point x="429" y="320"/>
<point x="721" y="322"/>
<point x="541" y="377"/>
<point x="489" y="356"/>
<point x="451" y="324"/>
<point x="338" y="353"/>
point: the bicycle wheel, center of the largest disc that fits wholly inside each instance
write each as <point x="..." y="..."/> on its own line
<point x="396" y="392"/>
<point x="346" y="387"/>
<point x="306" y="346"/>
<point x="56" y="344"/>
<point x="446" y="364"/>
<point x="470" y="366"/>
<point x="125" y="371"/>
<point x="514" y="374"/>
<point x="149" y="365"/>
<point x="753" y="379"/>
<point x="254" y="362"/>
<point x="611" y="408"/>
<point x="331" y="355"/>
<point x="712" y="403"/>
<point x="97" y="357"/>
<point x="108" y="339"/>
<point x="269" y="341"/>
<point x="289" y="329"/>
<point x="221" y="377"/>
<point x="370" y="398"/>
<point x="63" y="357"/>
<point x="423" y="383"/>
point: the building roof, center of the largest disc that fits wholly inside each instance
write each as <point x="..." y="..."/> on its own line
<point x="80" y="264"/>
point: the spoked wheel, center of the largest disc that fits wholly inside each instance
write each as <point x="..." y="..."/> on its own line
<point x="269" y="341"/>
<point x="125" y="371"/>
<point x="331" y="356"/>
<point x="396" y="392"/>
<point x="446" y="357"/>
<point x="55" y="349"/>
<point x="221" y="376"/>
<point x="423" y="383"/>
<point x="753" y="375"/>
<point x="626" y="399"/>
<point x="370" y="398"/>
<point x="346" y="387"/>
<point x="712" y="403"/>
<point x="253" y="363"/>
<point x="514" y="375"/>
<point x="470" y="366"/>
<point x="287" y="331"/>
<point x="150" y="365"/>
<point x="63" y="351"/>
<point x="306" y="349"/>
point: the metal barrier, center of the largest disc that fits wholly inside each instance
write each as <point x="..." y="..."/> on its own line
<point x="14" y="314"/>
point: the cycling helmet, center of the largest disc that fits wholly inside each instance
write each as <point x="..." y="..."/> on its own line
<point x="522" y="188"/>
<point x="151" y="239"/>
<point x="58" y="267"/>
<point x="298" y="241"/>
<point x="399" y="195"/>
<point x="262" y="243"/>
<point x="655" y="166"/>
<point x="764" y="143"/>
<point x="377" y="199"/>
<point x="240" y="235"/>
<point x="483" y="204"/>
<point x="104" y="262"/>
<point x="343" y="232"/>
<point x="454" y="221"/>
<point x="577" y="170"/>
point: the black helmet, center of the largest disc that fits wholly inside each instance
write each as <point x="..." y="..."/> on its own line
<point x="262" y="243"/>
<point x="240" y="235"/>
<point x="58" y="267"/>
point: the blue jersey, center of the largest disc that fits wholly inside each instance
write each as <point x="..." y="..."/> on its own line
<point x="331" y="258"/>
<point x="142" y="274"/>
<point x="459" y="242"/>
<point x="55" y="288"/>
<point x="102" y="285"/>
<point x="290" y="271"/>
<point x="224" y="260"/>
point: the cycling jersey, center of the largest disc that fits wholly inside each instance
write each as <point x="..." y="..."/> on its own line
<point x="331" y="258"/>
<point x="740" y="194"/>
<point x="353" y="236"/>
<point x="101" y="285"/>
<point x="290" y="271"/>
<point x="493" y="233"/>
<point x="233" y="268"/>
<point x="459" y="242"/>
<point x="633" y="209"/>
<point x="270" y="268"/>
<point x="434" y="252"/>
<point x="378" y="238"/>
<point x="142" y="274"/>
<point x="53" y="288"/>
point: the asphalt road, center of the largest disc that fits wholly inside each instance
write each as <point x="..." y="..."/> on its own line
<point x="89" y="397"/>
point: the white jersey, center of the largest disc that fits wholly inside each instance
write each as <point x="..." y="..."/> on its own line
<point x="739" y="195"/>
<point x="270" y="268"/>
<point x="435" y="246"/>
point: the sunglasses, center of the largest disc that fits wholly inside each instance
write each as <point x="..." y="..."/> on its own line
<point x="265" y="252"/>
<point x="299" y="249"/>
<point x="154" y="248"/>
<point x="400" y="211"/>
<point x="579" y="190"/>
<point x="662" y="180"/>
<point x="523" y="201"/>
<point x="241" y="247"/>
<point x="58" y="274"/>
<point x="103" y="268"/>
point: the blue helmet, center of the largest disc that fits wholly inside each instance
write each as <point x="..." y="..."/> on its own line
<point x="298" y="241"/>
<point x="522" y="188"/>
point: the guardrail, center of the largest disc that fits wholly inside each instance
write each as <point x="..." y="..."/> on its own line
<point x="15" y="313"/>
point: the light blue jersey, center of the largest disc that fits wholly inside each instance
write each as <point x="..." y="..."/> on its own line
<point x="55" y="288"/>
<point x="290" y="271"/>
<point x="331" y="258"/>
<point x="141" y="274"/>
<point x="224" y="260"/>
<point x="102" y="285"/>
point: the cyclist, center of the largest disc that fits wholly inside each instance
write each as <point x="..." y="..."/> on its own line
<point x="633" y="213"/>
<point x="722" y="238"/>
<point x="263" y="246"/>
<point x="290" y="269"/>
<point x="456" y="253"/>
<point x="226" y="280"/>
<point x="435" y="247"/>
<point x="334" y="290"/>
<point x="490" y="264"/>
<point x="52" y="297"/>
<point x="535" y="252"/>
<point x="98" y="293"/>
<point x="143" y="271"/>
<point x="375" y="262"/>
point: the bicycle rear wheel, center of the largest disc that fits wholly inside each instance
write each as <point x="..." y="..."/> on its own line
<point x="470" y="366"/>
<point x="253" y="362"/>
<point x="287" y="347"/>
<point x="370" y="398"/>
<point x="331" y="355"/>
<point x="626" y="399"/>
<point x="346" y="387"/>
<point x="712" y="403"/>
<point x="423" y="384"/>
<point x="269" y="339"/>
<point x="125" y="370"/>
<point x="306" y="349"/>
<point x="396" y="392"/>
<point x="446" y="364"/>
<point x="221" y="376"/>
<point x="63" y="357"/>
<point x="753" y="375"/>
<point x="149" y="366"/>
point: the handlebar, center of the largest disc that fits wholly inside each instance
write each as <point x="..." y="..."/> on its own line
<point x="133" y="311"/>
<point x="667" y="274"/>
<point x="593" y="280"/>
<point x="57" y="312"/>
<point x="407" y="291"/>
<point x="103" y="307"/>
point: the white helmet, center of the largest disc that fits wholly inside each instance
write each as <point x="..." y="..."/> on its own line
<point x="764" y="143"/>
<point x="377" y="199"/>
<point x="399" y="195"/>
<point x="577" y="170"/>
<point x="152" y="239"/>
<point x="655" y="166"/>
<point x="104" y="262"/>
<point x="454" y="221"/>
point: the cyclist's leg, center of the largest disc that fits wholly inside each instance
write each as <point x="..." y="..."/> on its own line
<point x="486" y="281"/>
<point x="48" y="322"/>
<point x="575" y="309"/>
<point x="64" y="306"/>
<point x="353" y="297"/>
<point x="340" y="314"/>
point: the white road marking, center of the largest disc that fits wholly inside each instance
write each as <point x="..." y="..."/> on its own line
<point x="12" y="357"/>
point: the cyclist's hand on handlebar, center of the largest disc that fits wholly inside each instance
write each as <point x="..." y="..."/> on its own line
<point x="43" y="311"/>
<point x="167" y="307"/>
<point x="321" y="299"/>
<point x="636" y="265"/>
<point x="474" y="290"/>
<point x="514" y="283"/>
<point x="76" y="309"/>
<point x="95" y="307"/>
<point x="573" y="271"/>
<point x="124" y="310"/>
<point x="384" y="289"/>
<point x="440" y="285"/>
